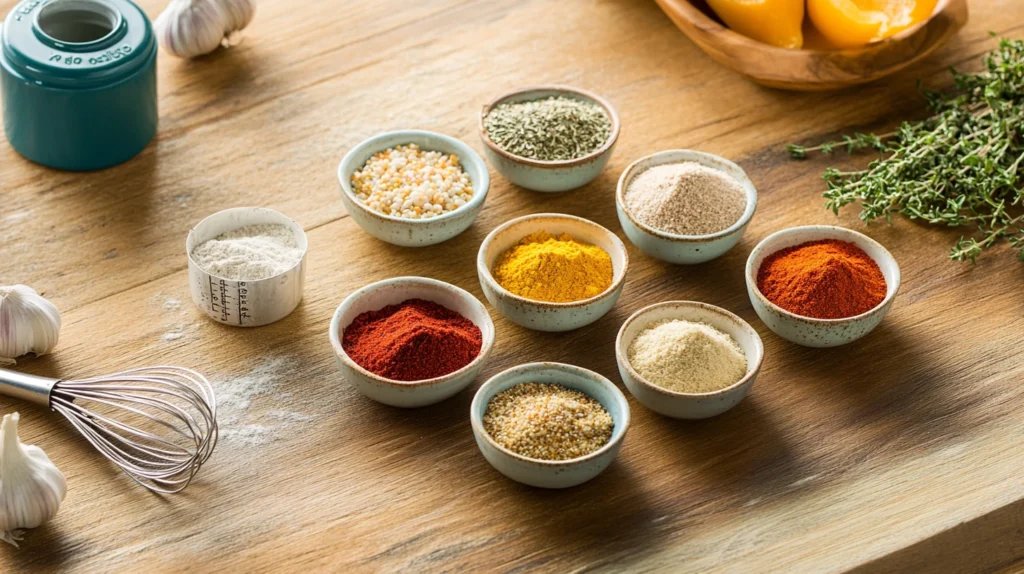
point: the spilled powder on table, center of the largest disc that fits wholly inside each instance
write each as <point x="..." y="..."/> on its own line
<point x="248" y="426"/>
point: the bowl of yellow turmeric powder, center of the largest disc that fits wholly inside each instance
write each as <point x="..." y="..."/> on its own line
<point x="552" y="272"/>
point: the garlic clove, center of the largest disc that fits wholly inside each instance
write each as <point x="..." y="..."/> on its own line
<point x="28" y="323"/>
<point x="189" y="28"/>
<point x="31" y="486"/>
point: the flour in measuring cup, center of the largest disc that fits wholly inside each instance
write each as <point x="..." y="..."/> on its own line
<point x="249" y="253"/>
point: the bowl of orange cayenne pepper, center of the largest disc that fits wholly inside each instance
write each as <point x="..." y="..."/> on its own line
<point x="820" y="285"/>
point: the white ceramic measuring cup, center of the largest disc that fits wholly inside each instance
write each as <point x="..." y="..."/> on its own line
<point x="245" y="303"/>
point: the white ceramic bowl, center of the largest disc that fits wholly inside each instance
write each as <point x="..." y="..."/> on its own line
<point x="809" y="331"/>
<point x="549" y="176"/>
<point x="251" y="303"/>
<point x="689" y="405"/>
<point x="551" y="473"/>
<point x="393" y="291"/>
<point x="543" y="315"/>
<point x="683" y="249"/>
<point x="414" y="232"/>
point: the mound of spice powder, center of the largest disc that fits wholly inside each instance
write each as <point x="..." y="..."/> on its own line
<point x="686" y="198"/>
<point x="826" y="279"/>
<point x="412" y="341"/>
<point x="555" y="268"/>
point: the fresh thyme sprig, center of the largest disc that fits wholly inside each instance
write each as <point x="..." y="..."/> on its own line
<point x="959" y="167"/>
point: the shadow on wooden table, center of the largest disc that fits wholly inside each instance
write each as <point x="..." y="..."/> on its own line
<point x="44" y="549"/>
<point x="891" y="381"/>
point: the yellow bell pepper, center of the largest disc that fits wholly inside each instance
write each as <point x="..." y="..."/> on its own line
<point x="775" y="22"/>
<point x="851" y="23"/>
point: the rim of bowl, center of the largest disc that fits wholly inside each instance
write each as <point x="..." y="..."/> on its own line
<point x="302" y="234"/>
<point x="628" y="175"/>
<point x="824" y="231"/>
<point x="592" y="376"/>
<point x="712" y="26"/>
<point x="482" y="264"/>
<point x="563" y="163"/>
<point x="465" y="153"/>
<point x="336" y="328"/>
<point x="622" y="354"/>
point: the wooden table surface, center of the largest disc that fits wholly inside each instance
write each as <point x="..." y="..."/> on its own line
<point x="903" y="451"/>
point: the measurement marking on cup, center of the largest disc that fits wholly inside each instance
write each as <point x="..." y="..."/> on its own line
<point x="219" y="299"/>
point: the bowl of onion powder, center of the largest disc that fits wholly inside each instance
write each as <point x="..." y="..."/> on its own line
<point x="683" y="206"/>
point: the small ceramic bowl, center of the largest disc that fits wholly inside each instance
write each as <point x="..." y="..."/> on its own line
<point x="543" y="315"/>
<point x="808" y="331"/>
<point x="391" y="292"/>
<point x="683" y="249"/>
<point x="414" y="232"/>
<point x="689" y="405"/>
<point x="551" y="473"/>
<point x="549" y="176"/>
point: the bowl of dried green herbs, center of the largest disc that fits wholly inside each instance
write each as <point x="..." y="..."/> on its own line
<point x="549" y="138"/>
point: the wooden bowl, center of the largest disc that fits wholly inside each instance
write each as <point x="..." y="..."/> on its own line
<point x="815" y="69"/>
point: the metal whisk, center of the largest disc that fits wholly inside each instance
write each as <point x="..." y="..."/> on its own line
<point x="159" y="424"/>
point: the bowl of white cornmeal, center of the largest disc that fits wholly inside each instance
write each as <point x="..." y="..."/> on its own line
<point x="684" y="206"/>
<point x="246" y="266"/>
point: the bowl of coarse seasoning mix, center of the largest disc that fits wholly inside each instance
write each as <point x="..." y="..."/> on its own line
<point x="684" y="206"/>
<point x="411" y="341"/>
<point x="550" y="425"/>
<point x="688" y="360"/>
<point x="412" y="187"/>
<point x="552" y="272"/>
<point x="821" y="286"/>
<point x="549" y="138"/>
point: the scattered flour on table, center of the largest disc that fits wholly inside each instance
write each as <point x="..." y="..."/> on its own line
<point x="238" y="421"/>
<point x="249" y="253"/>
<point x="172" y="336"/>
<point x="172" y="304"/>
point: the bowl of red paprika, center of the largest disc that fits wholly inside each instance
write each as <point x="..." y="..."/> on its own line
<point x="411" y="341"/>
<point x="821" y="285"/>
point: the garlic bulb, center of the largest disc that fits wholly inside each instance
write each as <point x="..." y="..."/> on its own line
<point x="31" y="487"/>
<point x="189" y="28"/>
<point x="28" y="323"/>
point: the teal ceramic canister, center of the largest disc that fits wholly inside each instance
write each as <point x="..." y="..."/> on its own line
<point x="78" y="80"/>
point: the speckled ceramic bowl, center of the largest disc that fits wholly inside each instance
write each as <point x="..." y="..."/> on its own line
<point x="683" y="249"/>
<point x="549" y="176"/>
<point x="393" y="291"/>
<point x="688" y="405"/>
<point x="542" y="315"/>
<point x="549" y="473"/>
<point x="808" y="331"/>
<point x="414" y="232"/>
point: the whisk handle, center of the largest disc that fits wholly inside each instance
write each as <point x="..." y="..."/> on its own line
<point x="26" y="387"/>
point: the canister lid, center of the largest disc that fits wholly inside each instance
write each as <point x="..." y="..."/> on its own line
<point x="76" y="44"/>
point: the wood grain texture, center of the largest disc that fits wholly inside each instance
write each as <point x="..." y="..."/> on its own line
<point x="812" y="69"/>
<point x="888" y="454"/>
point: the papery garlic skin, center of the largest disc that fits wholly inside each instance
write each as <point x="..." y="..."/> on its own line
<point x="28" y="323"/>
<point x="31" y="487"/>
<point x="189" y="28"/>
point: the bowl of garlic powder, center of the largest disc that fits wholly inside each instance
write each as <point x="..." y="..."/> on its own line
<point x="688" y="360"/>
